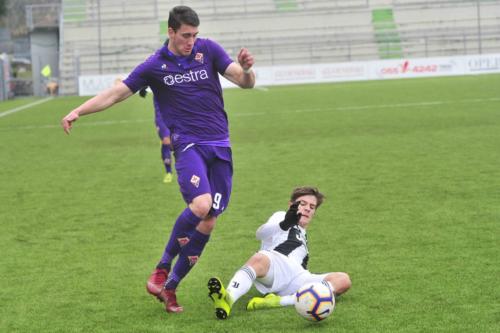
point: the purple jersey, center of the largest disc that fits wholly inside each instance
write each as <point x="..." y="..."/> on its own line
<point x="188" y="92"/>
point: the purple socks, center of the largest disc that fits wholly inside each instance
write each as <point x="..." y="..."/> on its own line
<point x="183" y="228"/>
<point x="188" y="257"/>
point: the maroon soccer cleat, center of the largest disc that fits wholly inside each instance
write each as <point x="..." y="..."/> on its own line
<point x="156" y="282"/>
<point x="170" y="299"/>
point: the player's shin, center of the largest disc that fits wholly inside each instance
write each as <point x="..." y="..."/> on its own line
<point x="188" y="257"/>
<point x="181" y="233"/>
<point x="241" y="283"/>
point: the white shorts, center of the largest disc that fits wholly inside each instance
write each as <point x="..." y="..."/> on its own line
<point x="285" y="276"/>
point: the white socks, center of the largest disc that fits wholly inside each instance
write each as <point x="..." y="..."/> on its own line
<point x="241" y="283"/>
<point x="328" y="284"/>
<point x="287" y="300"/>
<point x="243" y="280"/>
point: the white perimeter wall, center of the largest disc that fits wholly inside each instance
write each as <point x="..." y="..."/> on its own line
<point x="340" y="72"/>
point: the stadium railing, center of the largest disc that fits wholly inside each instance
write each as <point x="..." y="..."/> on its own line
<point x="311" y="32"/>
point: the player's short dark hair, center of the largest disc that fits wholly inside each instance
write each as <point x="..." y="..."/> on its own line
<point x="182" y="15"/>
<point x="307" y="190"/>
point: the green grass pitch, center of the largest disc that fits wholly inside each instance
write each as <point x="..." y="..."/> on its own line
<point x="410" y="168"/>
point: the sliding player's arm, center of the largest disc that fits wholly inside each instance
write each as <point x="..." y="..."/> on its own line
<point x="271" y="227"/>
<point x="100" y="102"/>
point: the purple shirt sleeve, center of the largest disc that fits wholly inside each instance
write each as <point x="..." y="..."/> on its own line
<point x="221" y="58"/>
<point x="138" y="78"/>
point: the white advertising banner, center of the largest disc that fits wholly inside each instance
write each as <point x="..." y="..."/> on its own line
<point x="376" y="70"/>
<point x="413" y="68"/>
<point x="280" y="75"/>
<point x="482" y="64"/>
<point x="89" y="85"/>
<point x="340" y="72"/>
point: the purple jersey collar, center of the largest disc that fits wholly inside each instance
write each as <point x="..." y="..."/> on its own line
<point x="184" y="61"/>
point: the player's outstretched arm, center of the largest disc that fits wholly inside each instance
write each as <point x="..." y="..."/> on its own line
<point x="241" y="73"/>
<point x="100" y="102"/>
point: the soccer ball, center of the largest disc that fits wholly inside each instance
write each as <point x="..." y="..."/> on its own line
<point x="315" y="301"/>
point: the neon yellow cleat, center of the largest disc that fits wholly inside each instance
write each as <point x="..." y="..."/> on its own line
<point x="168" y="178"/>
<point x="267" y="302"/>
<point x="219" y="296"/>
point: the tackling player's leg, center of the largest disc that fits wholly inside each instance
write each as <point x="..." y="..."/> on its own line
<point x="270" y="301"/>
<point x="222" y="300"/>
<point x="239" y="285"/>
<point x="267" y="302"/>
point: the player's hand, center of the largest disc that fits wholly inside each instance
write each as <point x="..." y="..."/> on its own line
<point x="245" y="58"/>
<point x="67" y="122"/>
<point x="292" y="216"/>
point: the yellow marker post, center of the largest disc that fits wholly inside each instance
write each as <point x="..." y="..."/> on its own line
<point x="46" y="71"/>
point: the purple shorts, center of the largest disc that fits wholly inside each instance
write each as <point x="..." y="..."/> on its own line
<point x="205" y="169"/>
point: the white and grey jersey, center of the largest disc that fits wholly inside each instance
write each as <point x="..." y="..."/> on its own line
<point x="291" y="243"/>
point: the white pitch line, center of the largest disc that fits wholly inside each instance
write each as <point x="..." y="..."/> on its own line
<point x="263" y="113"/>
<point x="88" y="124"/>
<point x="398" y="105"/>
<point x="23" y="107"/>
<point x="261" y="88"/>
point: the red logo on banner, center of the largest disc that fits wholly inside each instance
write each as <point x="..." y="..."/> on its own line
<point x="405" y="67"/>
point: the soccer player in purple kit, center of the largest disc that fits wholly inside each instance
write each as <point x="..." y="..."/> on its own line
<point x="164" y="134"/>
<point x="183" y="76"/>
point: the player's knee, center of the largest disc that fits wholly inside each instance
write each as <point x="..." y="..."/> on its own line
<point x="201" y="205"/>
<point x="341" y="281"/>
<point x="201" y="209"/>
<point x="345" y="280"/>
<point x="260" y="264"/>
<point x="166" y="141"/>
